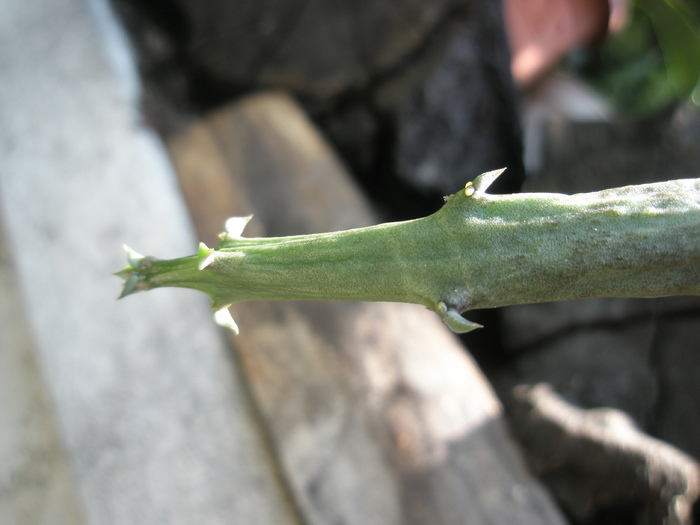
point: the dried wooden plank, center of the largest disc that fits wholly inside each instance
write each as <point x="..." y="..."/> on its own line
<point x="377" y="413"/>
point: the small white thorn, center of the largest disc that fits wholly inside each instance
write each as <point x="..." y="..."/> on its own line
<point x="454" y="320"/>
<point x="234" y="227"/>
<point x="483" y="181"/>
<point x="205" y="255"/>
<point x="223" y="318"/>
<point x="133" y="257"/>
<point x="130" y="286"/>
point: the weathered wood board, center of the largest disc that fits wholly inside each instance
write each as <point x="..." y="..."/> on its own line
<point x="378" y="414"/>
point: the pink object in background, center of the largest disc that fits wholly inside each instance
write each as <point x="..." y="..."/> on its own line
<point x="541" y="32"/>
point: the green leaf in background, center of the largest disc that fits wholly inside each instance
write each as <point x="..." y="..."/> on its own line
<point x="676" y="24"/>
<point x="653" y="62"/>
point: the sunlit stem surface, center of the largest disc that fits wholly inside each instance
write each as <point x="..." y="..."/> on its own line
<point x="478" y="251"/>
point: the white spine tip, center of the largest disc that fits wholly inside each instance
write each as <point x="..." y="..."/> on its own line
<point x="454" y="320"/>
<point x="234" y="227"/>
<point x="223" y="318"/>
<point x="483" y="181"/>
<point x="130" y="286"/>
<point x="205" y="256"/>
<point x="133" y="257"/>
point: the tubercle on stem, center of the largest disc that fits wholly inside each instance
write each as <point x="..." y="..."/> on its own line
<point x="450" y="315"/>
<point x="482" y="182"/>
<point x="132" y="273"/>
<point x="454" y="320"/>
<point x="207" y="256"/>
<point x="135" y="275"/>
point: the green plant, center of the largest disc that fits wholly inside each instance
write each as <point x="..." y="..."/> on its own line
<point x="478" y="251"/>
<point x="653" y="62"/>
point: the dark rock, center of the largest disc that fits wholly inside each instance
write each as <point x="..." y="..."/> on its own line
<point x="315" y="47"/>
<point x="449" y="114"/>
<point x="462" y="119"/>
<point x="677" y="364"/>
<point x="595" y="366"/>
<point x="596" y="460"/>
<point x="591" y="156"/>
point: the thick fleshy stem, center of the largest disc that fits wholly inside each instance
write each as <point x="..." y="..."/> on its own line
<point x="477" y="251"/>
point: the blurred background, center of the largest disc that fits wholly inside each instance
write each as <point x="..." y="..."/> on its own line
<point x="151" y="122"/>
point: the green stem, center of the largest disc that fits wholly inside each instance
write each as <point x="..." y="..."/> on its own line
<point x="478" y="251"/>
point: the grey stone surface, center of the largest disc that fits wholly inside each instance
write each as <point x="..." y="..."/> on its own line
<point x="36" y="482"/>
<point x="153" y="415"/>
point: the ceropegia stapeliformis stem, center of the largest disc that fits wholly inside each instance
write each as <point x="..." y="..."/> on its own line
<point x="478" y="251"/>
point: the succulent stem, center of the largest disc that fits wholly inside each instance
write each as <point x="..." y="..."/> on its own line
<point x="477" y="251"/>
